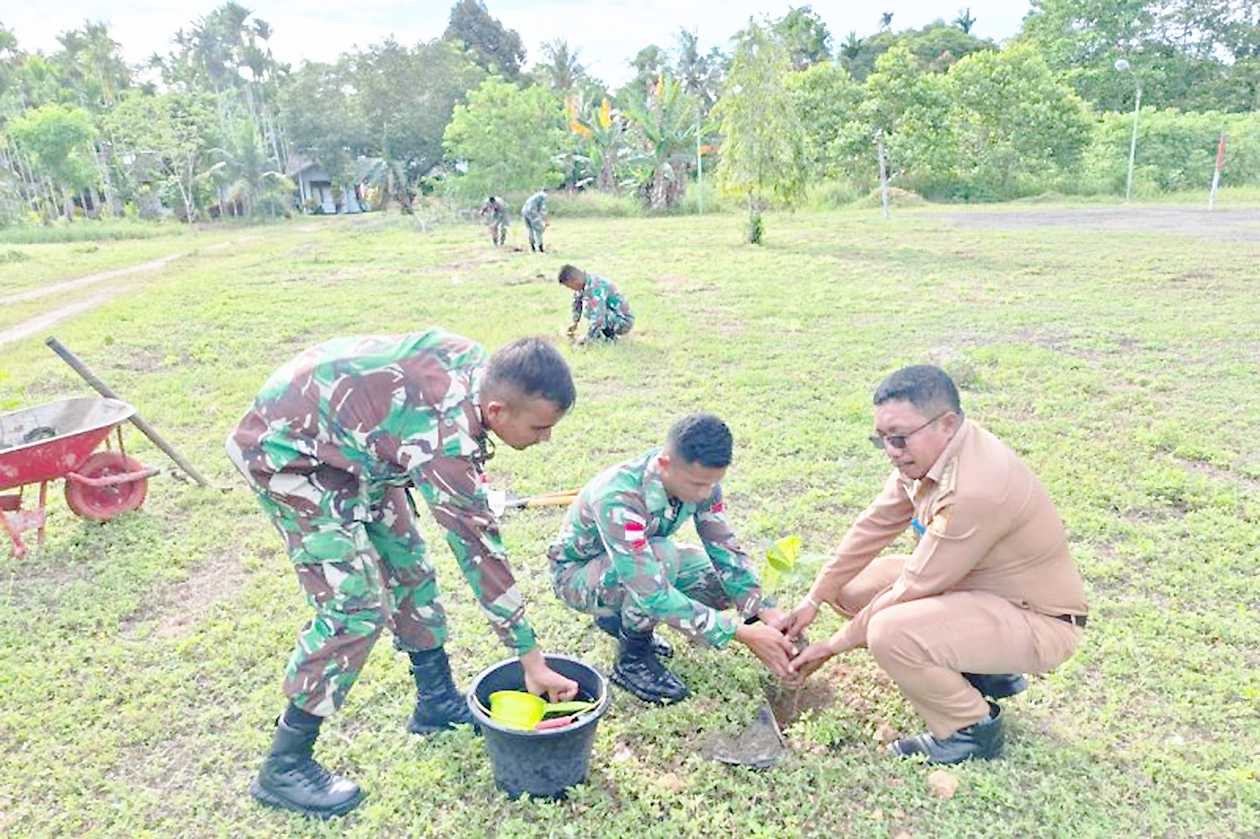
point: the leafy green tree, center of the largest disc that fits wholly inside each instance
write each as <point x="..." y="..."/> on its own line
<point x="1014" y="122"/>
<point x="826" y="99"/>
<point x="763" y="154"/>
<point x="168" y="139"/>
<point x="405" y="100"/>
<point x="59" y="139"/>
<point x="903" y="123"/>
<point x="491" y="45"/>
<point x="935" y="46"/>
<point x="506" y="137"/>
<point x="805" y="36"/>
<point x="244" y="174"/>
<point x="1183" y="51"/>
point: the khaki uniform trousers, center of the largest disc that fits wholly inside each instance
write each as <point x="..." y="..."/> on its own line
<point x="925" y="645"/>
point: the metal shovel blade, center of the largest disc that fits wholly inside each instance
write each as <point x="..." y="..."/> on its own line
<point x="759" y="745"/>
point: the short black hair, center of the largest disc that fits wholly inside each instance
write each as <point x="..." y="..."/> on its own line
<point x="570" y="272"/>
<point x="927" y="387"/>
<point x="703" y="439"/>
<point x="532" y="367"/>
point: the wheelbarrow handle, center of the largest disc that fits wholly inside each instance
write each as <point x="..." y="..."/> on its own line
<point x="113" y="480"/>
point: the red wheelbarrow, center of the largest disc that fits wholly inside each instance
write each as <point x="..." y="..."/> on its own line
<point x="58" y="440"/>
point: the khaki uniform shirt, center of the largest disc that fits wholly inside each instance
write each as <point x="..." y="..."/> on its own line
<point x="985" y="524"/>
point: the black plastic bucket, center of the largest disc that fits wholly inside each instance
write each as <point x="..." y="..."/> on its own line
<point x="539" y="763"/>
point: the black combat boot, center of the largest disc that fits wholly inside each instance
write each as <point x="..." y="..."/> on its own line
<point x="439" y="704"/>
<point x="292" y="780"/>
<point x="639" y="671"/>
<point x="611" y="624"/>
<point x="981" y="740"/>
<point x="997" y="685"/>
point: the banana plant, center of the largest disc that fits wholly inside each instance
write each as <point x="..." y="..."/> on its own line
<point x="603" y="128"/>
<point x="667" y="121"/>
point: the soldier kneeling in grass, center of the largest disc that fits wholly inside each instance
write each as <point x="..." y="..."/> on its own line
<point x="330" y="447"/>
<point x="600" y="302"/>
<point x="614" y="559"/>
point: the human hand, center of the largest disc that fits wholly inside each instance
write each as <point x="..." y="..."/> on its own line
<point x="541" y="680"/>
<point x="773" y="617"/>
<point x="768" y="644"/>
<point x="800" y="618"/>
<point x="810" y="659"/>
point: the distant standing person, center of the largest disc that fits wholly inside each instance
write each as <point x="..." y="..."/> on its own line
<point x="534" y="212"/>
<point x="494" y="212"/>
<point x="600" y="301"/>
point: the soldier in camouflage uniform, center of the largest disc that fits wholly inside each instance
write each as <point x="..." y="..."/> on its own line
<point x="494" y="213"/>
<point x="534" y="213"/>
<point x="614" y="559"/>
<point x="603" y="304"/>
<point x="332" y="442"/>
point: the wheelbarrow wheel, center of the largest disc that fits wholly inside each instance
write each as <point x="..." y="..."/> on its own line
<point x="105" y="503"/>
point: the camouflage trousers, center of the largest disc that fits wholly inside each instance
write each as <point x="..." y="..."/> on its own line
<point x="615" y="326"/>
<point x="593" y="587"/>
<point x="359" y="577"/>
<point x="498" y="231"/>
<point x="535" y="225"/>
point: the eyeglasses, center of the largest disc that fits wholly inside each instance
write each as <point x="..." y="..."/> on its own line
<point x="898" y="441"/>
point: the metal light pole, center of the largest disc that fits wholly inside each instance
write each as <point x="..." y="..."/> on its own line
<point x="1122" y="65"/>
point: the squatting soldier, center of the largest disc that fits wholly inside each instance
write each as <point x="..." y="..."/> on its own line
<point x="330" y="446"/>
<point x="989" y="592"/>
<point x="600" y="301"/>
<point x="614" y="559"/>
<point x="494" y="213"/>
<point x="534" y="213"/>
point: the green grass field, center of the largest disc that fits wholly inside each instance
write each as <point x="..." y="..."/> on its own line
<point x="140" y="660"/>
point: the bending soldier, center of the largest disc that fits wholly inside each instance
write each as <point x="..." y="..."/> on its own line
<point x="600" y="301"/>
<point x="989" y="592"/>
<point x="331" y="445"/>
<point x="494" y="214"/>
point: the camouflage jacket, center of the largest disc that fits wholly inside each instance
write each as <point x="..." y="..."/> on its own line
<point x="535" y="206"/>
<point x="624" y="507"/>
<point x="602" y="304"/>
<point x="342" y="422"/>
<point x="493" y="212"/>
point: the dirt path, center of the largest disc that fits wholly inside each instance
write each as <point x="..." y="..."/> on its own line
<point x="92" y="279"/>
<point x="47" y="319"/>
<point x="1231" y="225"/>
<point x="42" y="321"/>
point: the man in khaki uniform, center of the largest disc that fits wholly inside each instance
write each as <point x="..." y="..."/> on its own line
<point x="989" y="592"/>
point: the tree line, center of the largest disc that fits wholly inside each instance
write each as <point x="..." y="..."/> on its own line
<point x="218" y="126"/>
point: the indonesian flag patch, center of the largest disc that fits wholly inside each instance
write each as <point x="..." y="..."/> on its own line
<point x="718" y="508"/>
<point x="636" y="531"/>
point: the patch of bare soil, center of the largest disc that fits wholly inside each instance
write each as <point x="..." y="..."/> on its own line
<point x="179" y="607"/>
<point x="1233" y="225"/>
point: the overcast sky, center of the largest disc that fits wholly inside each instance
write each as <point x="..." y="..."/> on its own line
<point x="607" y="32"/>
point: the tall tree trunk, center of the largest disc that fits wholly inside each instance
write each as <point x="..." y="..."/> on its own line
<point x="103" y="151"/>
<point x="883" y="173"/>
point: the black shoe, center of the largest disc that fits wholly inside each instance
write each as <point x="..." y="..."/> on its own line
<point x="611" y="624"/>
<point x="291" y="779"/>
<point x="982" y="740"/>
<point x="997" y="685"/>
<point x="640" y="672"/>
<point x="439" y="705"/>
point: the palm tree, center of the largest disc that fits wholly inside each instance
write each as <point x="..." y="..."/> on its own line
<point x="562" y="69"/>
<point x="965" y="21"/>
<point x="851" y="48"/>
<point x="885" y="20"/>
<point x="242" y="175"/>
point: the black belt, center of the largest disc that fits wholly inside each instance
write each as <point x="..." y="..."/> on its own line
<point x="1075" y="620"/>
